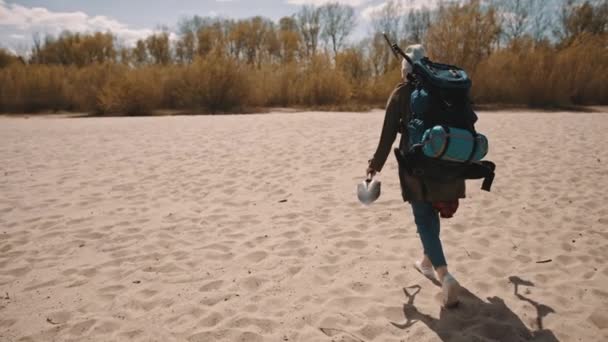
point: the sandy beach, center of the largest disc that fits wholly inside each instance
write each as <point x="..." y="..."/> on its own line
<point x="247" y="228"/>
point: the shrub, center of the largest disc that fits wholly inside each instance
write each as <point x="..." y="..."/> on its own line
<point x="132" y="92"/>
<point x="539" y="75"/>
<point x="32" y="88"/>
<point x="213" y="84"/>
<point x="323" y="85"/>
<point x="84" y="85"/>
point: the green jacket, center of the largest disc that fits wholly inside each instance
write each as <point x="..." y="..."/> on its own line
<point x="412" y="188"/>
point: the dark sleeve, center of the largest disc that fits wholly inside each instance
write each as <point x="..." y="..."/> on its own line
<point x="389" y="129"/>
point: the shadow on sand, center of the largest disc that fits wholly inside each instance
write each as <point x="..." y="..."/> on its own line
<point x="477" y="320"/>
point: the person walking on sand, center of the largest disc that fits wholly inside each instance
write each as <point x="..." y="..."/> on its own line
<point x="428" y="199"/>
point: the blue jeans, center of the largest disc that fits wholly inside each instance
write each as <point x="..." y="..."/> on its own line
<point x="427" y="222"/>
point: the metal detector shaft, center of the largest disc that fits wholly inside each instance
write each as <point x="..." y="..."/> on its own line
<point x="397" y="50"/>
<point x="388" y="41"/>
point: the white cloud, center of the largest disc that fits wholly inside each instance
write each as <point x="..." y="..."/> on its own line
<point x="404" y="7"/>
<point x="30" y="20"/>
<point x="354" y="3"/>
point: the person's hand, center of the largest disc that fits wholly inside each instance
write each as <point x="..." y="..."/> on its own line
<point x="370" y="171"/>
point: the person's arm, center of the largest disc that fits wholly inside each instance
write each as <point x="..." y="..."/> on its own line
<point x="389" y="130"/>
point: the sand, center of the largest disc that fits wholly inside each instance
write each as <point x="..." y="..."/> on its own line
<point x="247" y="228"/>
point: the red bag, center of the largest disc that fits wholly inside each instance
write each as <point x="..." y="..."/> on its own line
<point x="446" y="209"/>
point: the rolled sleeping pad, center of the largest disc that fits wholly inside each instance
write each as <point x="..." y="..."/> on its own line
<point x="454" y="144"/>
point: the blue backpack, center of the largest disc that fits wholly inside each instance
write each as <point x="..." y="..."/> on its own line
<point x="443" y="143"/>
<point x="442" y="119"/>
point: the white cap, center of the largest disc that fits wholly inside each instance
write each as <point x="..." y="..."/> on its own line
<point x="415" y="53"/>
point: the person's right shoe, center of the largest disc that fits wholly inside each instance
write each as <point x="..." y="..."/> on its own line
<point x="450" y="289"/>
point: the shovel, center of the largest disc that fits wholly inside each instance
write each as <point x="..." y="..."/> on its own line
<point x="369" y="190"/>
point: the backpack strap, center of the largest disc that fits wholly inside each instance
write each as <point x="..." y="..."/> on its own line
<point x="475" y="143"/>
<point x="447" y="141"/>
<point x="487" y="181"/>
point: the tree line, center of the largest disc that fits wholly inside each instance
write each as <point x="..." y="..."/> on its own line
<point x="517" y="51"/>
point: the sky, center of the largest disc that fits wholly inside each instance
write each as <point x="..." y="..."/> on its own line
<point x="130" y="20"/>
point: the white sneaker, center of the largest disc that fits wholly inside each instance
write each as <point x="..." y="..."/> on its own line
<point x="450" y="289"/>
<point x="427" y="271"/>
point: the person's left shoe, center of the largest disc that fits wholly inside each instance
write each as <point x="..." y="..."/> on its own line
<point x="450" y="289"/>
<point x="426" y="271"/>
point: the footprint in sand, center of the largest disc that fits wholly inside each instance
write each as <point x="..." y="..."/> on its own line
<point x="251" y="308"/>
<point x="19" y="271"/>
<point x="256" y="256"/>
<point x="77" y="283"/>
<point x="106" y="328"/>
<point x="216" y="246"/>
<point x="132" y="334"/>
<point x="112" y="288"/>
<point x="291" y="234"/>
<point x="81" y="328"/>
<point x="88" y="272"/>
<point x="41" y="285"/>
<point x="147" y="293"/>
<point x="354" y="244"/>
<point x="211" y="320"/>
<point x="330" y="270"/>
<point x="361" y="287"/>
<point x="294" y="270"/>
<point x="291" y="244"/>
<point x="252" y="283"/>
<point x="211" y="286"/>
<point x="7" y="323"/>
<point x="58" y="317"/>
<point x="219" y="256"/>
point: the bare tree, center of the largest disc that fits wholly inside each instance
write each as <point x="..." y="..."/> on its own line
<point x="416" y="25"/>
<point x="158" y="48"/>
<point x="524" y="17"/>
<point x="515" y="18"/>
<point x="338" y="22"/>
<point x="540" y="22"/>
<point x="379" y="55"/>
<point x="388" y="19"/>
<point x="463" y="34"/>
<point x="193" y="24"/>
<point x="289" y="39"/>
<point x="36" y="49"/>
<point x="185" y="47"/>
<point x="576" y="19"/>
<point x="140" y="53"/>
<point x="212" y="37"/>
<point x="254" y="38"/>
<point x="308" y="21"/>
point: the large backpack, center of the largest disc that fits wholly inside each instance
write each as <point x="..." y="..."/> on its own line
<point x="443" y="143"/>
